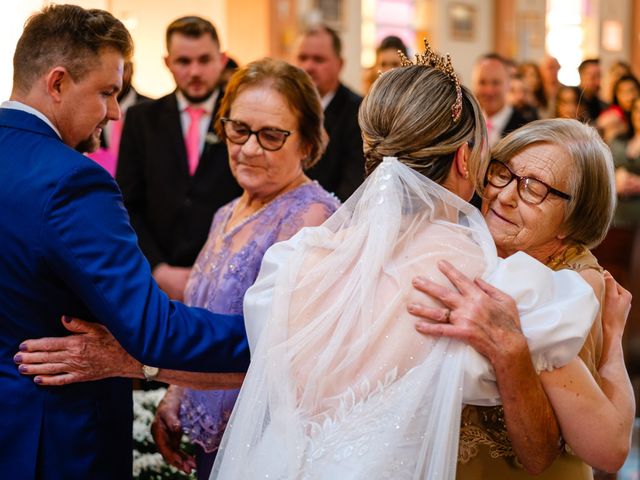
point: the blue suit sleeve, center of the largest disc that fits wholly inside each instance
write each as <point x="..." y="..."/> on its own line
<point x="89" y="242"/>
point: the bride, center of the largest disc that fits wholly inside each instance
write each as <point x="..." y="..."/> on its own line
<point x="340" y="385"/>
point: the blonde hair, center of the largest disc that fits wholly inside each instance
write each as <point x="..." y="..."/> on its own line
<point x="589" y="212"/>
<point x="407" y="114"/>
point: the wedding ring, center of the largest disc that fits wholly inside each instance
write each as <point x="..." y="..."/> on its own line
<point x="447" y="314"/>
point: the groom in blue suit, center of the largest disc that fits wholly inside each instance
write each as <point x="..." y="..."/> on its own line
<point x="67" y="248"/>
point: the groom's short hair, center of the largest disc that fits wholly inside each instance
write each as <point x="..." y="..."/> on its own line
<point x="192" y="27"/>
<point x="68" y="36"/>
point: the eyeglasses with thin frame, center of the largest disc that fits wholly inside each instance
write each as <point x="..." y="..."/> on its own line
<point x="269" y="138"/>
<point x="531" y="190"/>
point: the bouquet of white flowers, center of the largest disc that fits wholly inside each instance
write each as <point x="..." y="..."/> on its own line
<point x="148" y="464"/>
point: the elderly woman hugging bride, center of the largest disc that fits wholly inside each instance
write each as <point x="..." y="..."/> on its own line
<point x="340" y="385"/>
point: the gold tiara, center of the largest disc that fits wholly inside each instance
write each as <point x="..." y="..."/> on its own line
<point x="432" y="59"/>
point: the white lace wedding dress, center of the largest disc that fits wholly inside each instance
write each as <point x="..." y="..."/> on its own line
<point x="341" y="386"/>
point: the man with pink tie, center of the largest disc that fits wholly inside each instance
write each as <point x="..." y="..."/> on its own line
<point x="490" y="82"/>
<point x="172" y="168"/>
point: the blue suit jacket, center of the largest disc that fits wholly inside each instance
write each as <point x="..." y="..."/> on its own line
<point x="66" y="247"/>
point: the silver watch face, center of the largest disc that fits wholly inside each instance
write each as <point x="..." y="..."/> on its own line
<point x="150" y="372"/>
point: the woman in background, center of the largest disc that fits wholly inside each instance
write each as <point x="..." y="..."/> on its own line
<point x="616" y="119"/>
<point x="386" y="59"/>
<point x="568" y="104"/>
<point x="626" y="155"/>
<point x="530" y="73"/>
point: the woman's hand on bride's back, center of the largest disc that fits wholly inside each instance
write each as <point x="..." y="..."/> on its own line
<point x="475" y="312"/>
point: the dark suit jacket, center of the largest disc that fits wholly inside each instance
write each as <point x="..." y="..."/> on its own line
<point x="594" y="106"/>
<point x="341" y="168"/>
<point x="170" y="210"/>
<point x="67" y="248"/>
<point x="516" y="120"/>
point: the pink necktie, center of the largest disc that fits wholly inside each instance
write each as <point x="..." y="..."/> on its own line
<point x="192" y="140"/>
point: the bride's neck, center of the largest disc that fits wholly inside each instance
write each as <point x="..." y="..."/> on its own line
<point x="460" y="186"/>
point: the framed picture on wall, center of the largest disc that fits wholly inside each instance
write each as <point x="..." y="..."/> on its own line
<point x="462" y="21"/>
<point x="331" y="12"/>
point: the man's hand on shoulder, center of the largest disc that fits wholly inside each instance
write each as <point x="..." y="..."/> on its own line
<point x="91" y="353"/>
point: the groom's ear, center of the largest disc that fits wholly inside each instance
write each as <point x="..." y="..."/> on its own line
<point x="461" y="160"/>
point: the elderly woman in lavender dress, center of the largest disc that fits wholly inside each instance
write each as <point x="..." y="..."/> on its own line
<point x="230" y="260"/>
<point x="271" y="119"/>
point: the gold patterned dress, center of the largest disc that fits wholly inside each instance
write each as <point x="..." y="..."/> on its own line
<point x="485" y="450"/>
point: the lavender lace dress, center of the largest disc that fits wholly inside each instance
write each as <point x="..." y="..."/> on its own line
<point x="226" y="267"/>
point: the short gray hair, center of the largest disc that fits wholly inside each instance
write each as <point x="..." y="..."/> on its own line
<point x="592" y="183"/>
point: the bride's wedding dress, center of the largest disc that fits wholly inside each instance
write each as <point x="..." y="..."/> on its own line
<point x="340" y="385"/>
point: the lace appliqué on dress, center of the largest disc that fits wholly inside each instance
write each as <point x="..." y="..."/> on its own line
<point x="352" y="431"/>
<point x="574" y="257"/>
<point x="202" y="427"/>
<point x="485" y="426"/>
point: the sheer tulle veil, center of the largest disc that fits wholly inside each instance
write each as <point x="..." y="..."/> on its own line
<point x="340" y="384"/>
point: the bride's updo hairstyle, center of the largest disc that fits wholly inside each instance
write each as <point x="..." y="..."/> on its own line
<point x="410" y="113"/>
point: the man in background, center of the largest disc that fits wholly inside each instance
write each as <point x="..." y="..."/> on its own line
<point x="590" y="80"/>
<point x="490" y="80"/>
<point x="549" y="69"/>
<point x="341" y="168"/>
<point x="173" y="169"/>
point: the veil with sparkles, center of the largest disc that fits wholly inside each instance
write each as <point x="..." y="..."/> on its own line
<point x="340" y="384"/>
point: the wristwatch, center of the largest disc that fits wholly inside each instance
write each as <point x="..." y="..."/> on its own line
<point x="150" y="373"/>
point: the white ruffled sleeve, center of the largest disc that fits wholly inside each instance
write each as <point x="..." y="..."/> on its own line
<point x="557" y="309"/>
<point x="258" y="299"/>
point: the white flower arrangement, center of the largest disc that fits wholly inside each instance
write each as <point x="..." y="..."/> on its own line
<point x="148" y="464"/>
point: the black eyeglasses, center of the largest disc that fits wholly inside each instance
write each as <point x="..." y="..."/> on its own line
<point x="530" y="190"/>
<point x="269" y="138"/>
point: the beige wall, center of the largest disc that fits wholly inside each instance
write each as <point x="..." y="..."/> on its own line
<point x="463" y="52"/>
<point x="13" y="15"/>
<point x="248" y="27"/>
<point x="349" y="31"/>
<point x="351" y="42"/>
<point x="530" y="29"/>
<point x="619" y="11"/>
